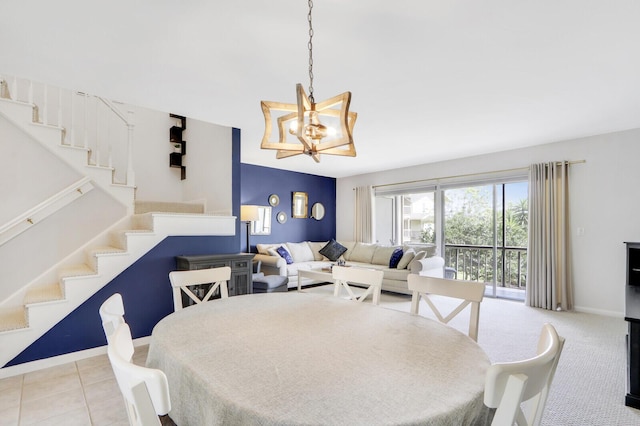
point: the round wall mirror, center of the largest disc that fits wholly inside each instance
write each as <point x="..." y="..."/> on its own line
<point x="317" y="211"/>
<point x="281" y="217"/>
<point x="274" y="200"/>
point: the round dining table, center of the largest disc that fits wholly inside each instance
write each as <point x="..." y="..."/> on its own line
<point x="306" y="359"/>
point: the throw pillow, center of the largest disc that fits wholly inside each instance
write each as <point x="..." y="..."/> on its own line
<point x="395" y="258"/>
<point x="300" y="252"/>
<point x="285" y="254"/>
<point x="273" y="252"/>
<point x="333" y="250"/>
<point x="407" y="257"/>
<point x="420" y="255"/>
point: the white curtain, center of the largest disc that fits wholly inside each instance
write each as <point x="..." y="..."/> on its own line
<point x="549" y="282"/>
<point x="363" y="220"/>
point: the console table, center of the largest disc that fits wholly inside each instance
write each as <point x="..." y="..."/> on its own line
<point x="632" y="316"/>
<point x="240" y="264"/>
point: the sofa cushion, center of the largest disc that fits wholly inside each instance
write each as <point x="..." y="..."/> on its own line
<point x="395" y="257"/>
<point x="363" y="253"/>
<point x="300" y="252"/>
<point x="382" y="255"/>
<point x="396" y="274"/>
<point x="430" y="248"/>
<point x="292" y="270"/>
<point x="264" y="248"/>
<point x="349" y="245"/>
<point x="407" y="257"/>
<point x="285" y="254"/>
<point x="333" y="250"/>
<point x="315" y="248"/>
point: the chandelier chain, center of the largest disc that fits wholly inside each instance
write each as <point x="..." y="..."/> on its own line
<point x="310" y="46"/>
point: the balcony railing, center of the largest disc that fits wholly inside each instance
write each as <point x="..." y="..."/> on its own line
<point x="476" y="263"/>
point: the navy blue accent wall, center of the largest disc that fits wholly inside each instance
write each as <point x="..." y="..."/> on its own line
<point x="145" y="288"/>
<point x="259" y="182"/>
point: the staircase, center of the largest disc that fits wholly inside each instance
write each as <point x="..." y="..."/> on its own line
<point x="30" y="313"/>
<point x="88" y="158"/>
<point x="39" y="305"/>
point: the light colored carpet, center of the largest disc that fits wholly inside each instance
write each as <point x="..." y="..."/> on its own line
<point x="590" y="383"/>
<point x="167" y="207"/>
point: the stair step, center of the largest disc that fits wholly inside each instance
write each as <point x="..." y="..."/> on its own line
<point x="119" y="238"/>
<point x="13" y="319"/>
<point x="46" y="293"/>
<point x="105" y="250"/>
<point x="76" y="271"/>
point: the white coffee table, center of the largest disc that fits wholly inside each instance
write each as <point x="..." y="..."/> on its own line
<point x="323" y="275"/>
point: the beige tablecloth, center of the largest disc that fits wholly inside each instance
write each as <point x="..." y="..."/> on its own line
<point x="302" y="359"/>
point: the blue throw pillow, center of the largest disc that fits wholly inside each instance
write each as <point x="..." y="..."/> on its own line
<point x="285" y="254"/>
<point x="395" y="258"/>
<point x="332" y="250"/>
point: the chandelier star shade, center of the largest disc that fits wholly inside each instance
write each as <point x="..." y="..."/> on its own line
<point x="310" y="128"/>
<point x="307" y="127"/>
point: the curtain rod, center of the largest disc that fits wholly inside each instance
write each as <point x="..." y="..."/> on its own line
<point x="470" y="174"/>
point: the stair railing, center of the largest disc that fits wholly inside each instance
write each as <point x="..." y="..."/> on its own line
<point x="89" y="122"/>
<point x="44" y="209"/>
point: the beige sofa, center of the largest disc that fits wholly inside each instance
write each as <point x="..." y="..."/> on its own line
<point x="419" y="259"/>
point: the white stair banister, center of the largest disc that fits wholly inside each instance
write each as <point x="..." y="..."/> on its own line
<point x="44" y="209"/>
<point x="131" y="177"/>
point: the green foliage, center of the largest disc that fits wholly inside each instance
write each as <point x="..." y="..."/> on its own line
<point x="469" y="220"/>
<point x="471" y="223"/>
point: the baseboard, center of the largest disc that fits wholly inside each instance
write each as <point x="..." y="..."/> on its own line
<point x="41" y="364"/>
<point x="602" y="312"/>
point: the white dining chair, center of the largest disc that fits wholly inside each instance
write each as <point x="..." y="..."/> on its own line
<point x="511" y="386"/>
<point x="112" y="314"/>
<point x="470" y="292"/>
<point x="372" y="279"/>
<point x="181" y="280"/>
<point x="145" y="390"/>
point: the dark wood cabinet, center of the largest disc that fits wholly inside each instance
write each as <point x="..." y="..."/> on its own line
<point x="240" y="264"/>
<point x="632" y="316"/>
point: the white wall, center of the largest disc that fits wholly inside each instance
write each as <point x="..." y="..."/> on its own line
<point x="30" y="174"/>
<point x="604" y="200"/>
<point x="207" y="160"/>
<point x="155" y="180"/>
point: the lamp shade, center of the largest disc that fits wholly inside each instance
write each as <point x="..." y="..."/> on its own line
<point x="249" y="213"/>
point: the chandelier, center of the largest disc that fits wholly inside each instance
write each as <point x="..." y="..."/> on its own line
<point x="307" y="127"/>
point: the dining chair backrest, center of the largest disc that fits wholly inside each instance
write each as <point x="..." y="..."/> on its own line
<point x="470" y="292"/>
<point x="511" y="386"/>
<point x="343" y="275"/>
<point x="112" y="314"/>
<point x="181" y="280"/>
<point x="145" y="390"/>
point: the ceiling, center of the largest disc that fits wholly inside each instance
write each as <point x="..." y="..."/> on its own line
<point x="431" y="80"/>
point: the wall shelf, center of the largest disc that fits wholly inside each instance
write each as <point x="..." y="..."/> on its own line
<point x="175" y="137"/>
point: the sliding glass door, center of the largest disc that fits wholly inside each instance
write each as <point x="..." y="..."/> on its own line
<point x="405" y="218"/>
<point x="485" y="235"/>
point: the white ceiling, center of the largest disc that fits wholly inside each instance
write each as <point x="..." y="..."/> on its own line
<point x="431" y="80"/>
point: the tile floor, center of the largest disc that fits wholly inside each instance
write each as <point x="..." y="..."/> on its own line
<point x="83" y="393"/>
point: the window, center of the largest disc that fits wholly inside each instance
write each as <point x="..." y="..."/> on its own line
<point x="480" y="228"/>
<point x="406" y="218"/>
